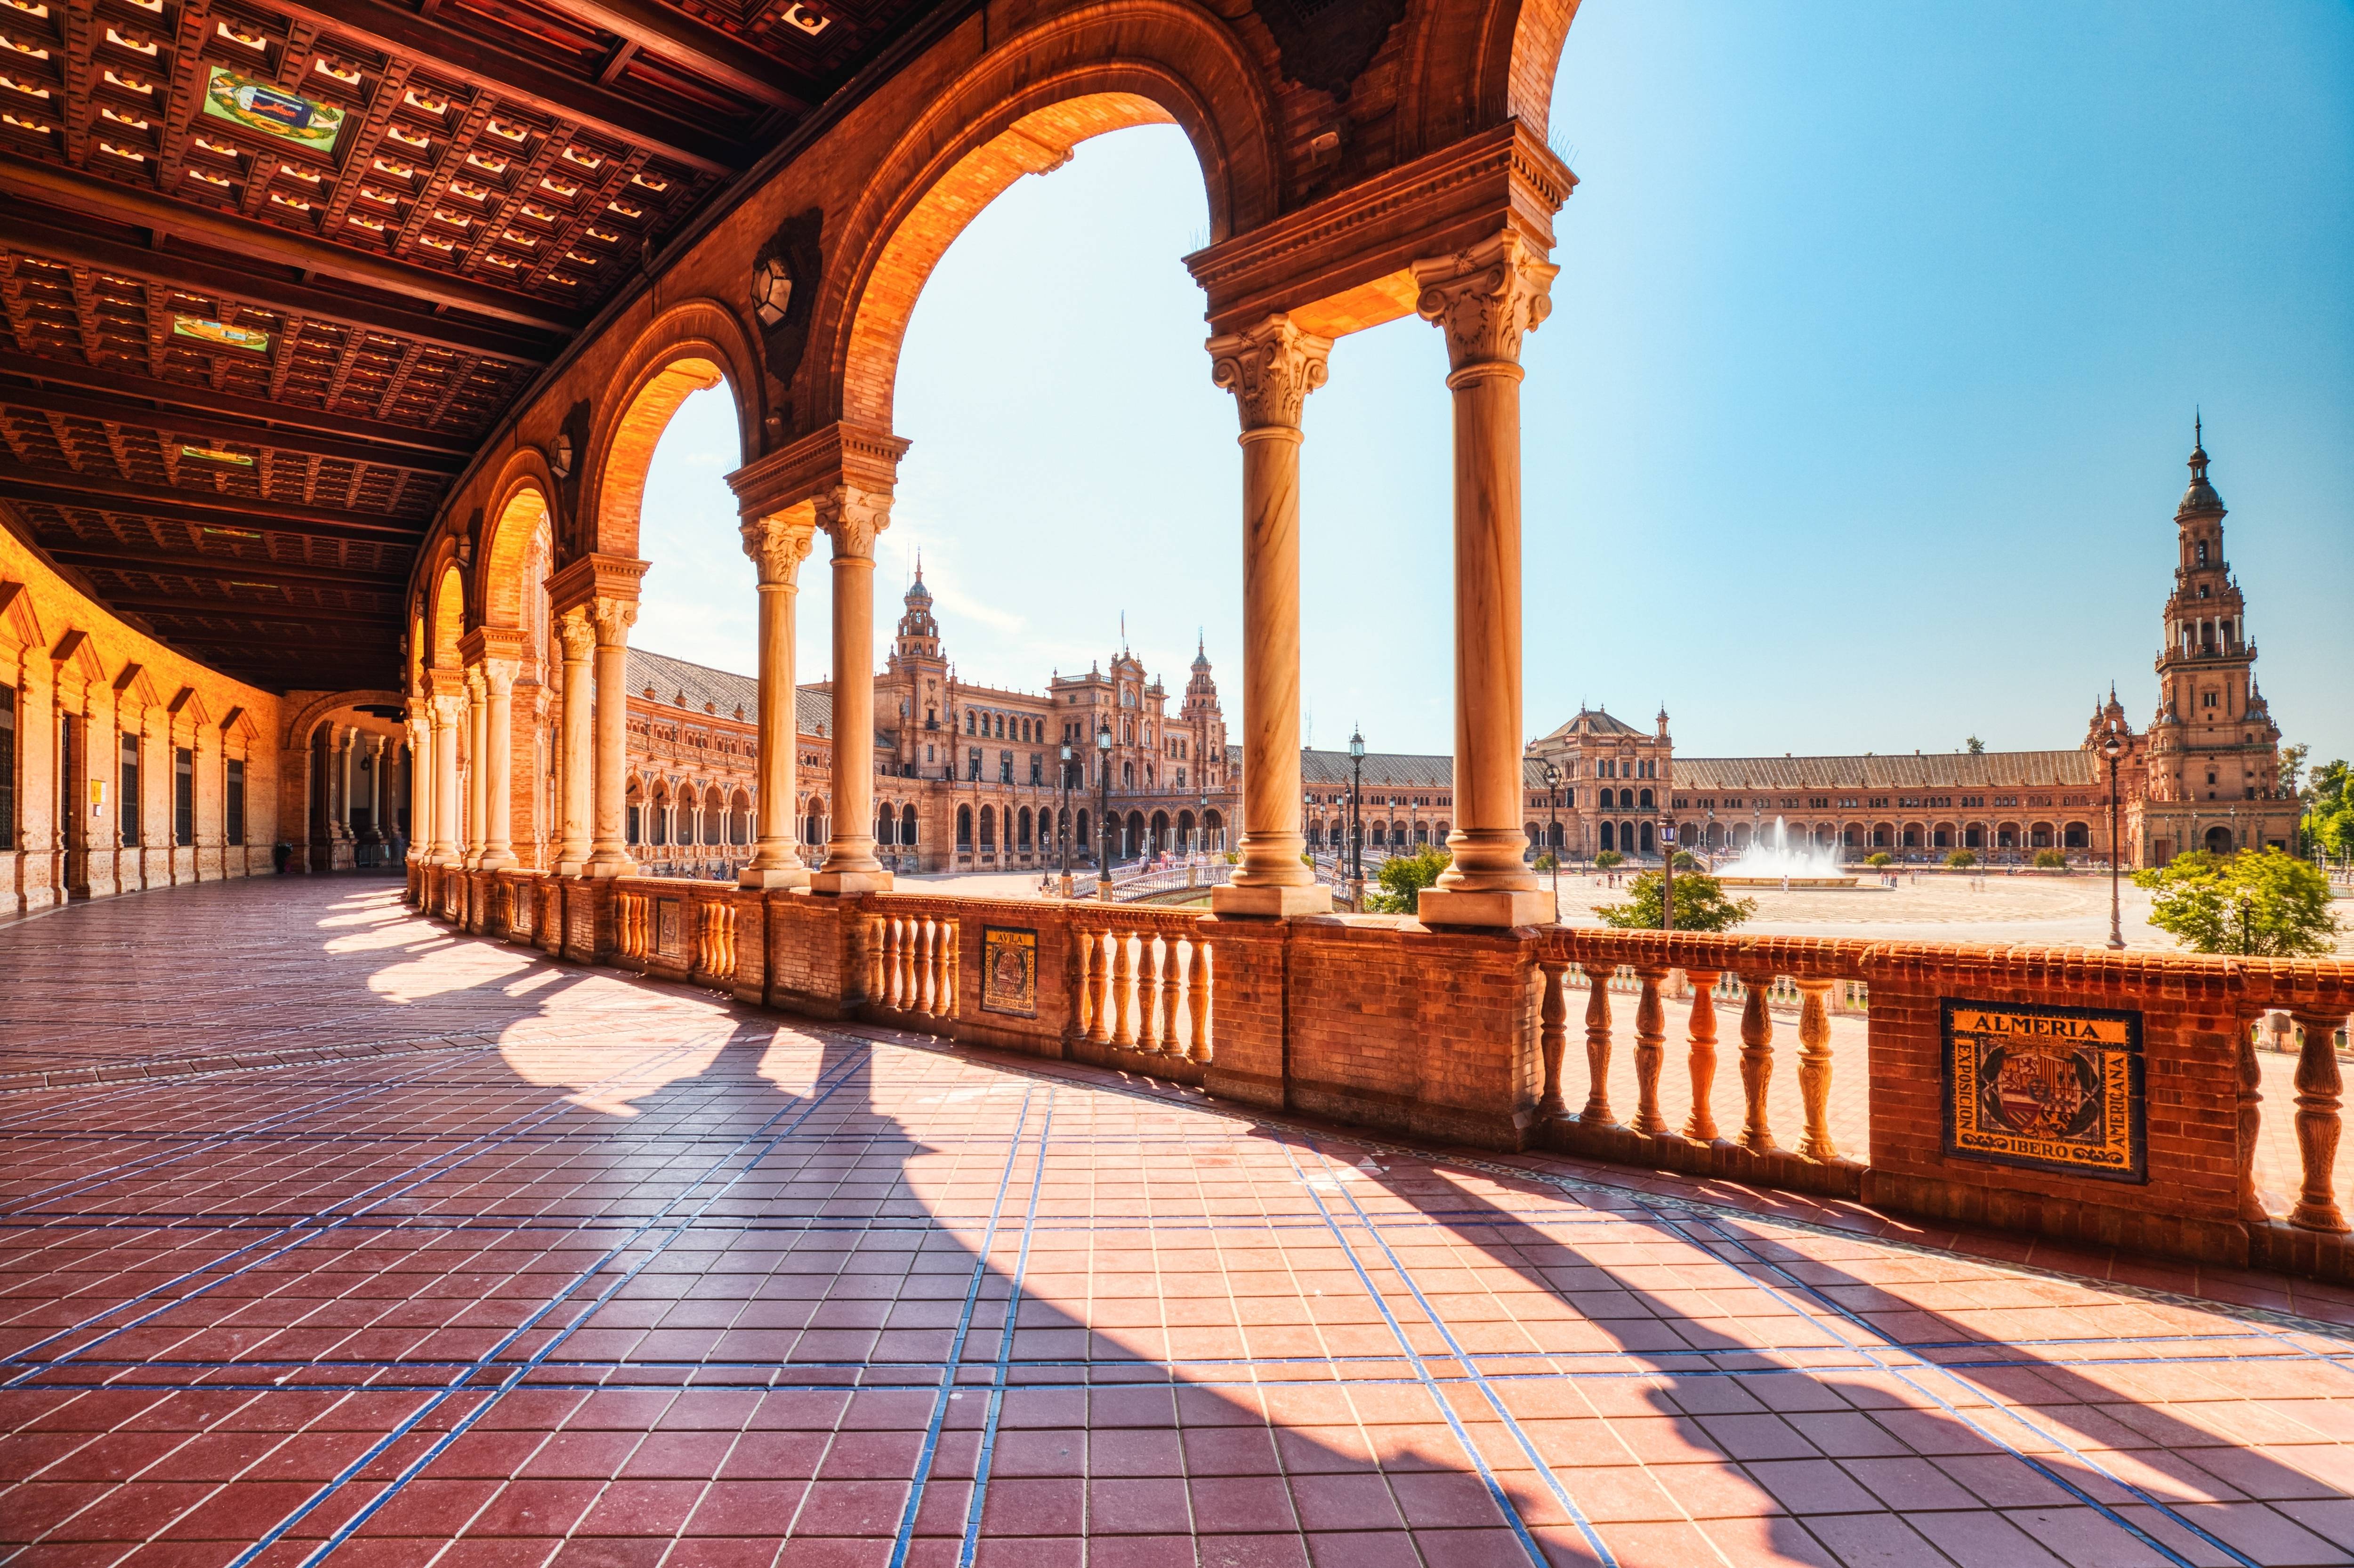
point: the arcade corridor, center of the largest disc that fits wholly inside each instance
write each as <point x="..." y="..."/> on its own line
<point x="332" y="1235"/>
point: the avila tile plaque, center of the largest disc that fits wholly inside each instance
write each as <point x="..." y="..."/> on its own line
<point x="1008" y="970"/>
<point x="2052" y="1088"/>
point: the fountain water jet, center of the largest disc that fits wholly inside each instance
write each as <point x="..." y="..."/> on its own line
<point x="1778" y="861"/>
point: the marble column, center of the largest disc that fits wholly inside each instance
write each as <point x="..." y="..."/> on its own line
<point x="778" y="545"/>
<point x="476" y="705"/>
<point x="421" y="755"/>
<point x="448" y="711"/>
<point x="609" y="855"/>
<point x="576" y="630"/>
<point x="1484" y="300"/>
<point x="853" y="517"/>
<point x="497" y="764"/>
<point x="378" y="753"/>
<point x="1270" y="369"/>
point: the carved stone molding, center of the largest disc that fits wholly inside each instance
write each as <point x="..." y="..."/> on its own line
<point x="841" y="453"/>
<point x="499" y="676"/>
<point x="778" y="545"/>
<point x="854" y="517"/>
<point x="613" y="617"/>
<point x="1485" y="299"/>
<point x="1270" y="369"/>
<point x="448" y="711"/>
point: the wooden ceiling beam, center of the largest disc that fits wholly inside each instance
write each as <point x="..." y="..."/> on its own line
<point x="242" y="610"/>
<point x="179" y="270"/>
<point x="229" y="568"/>
<point x="196" y="508"/>
<point x="121" y="202"/>
<point x="733" y="62"/>
<point x="394" y="30"/>
<point x="81" y="405"/>
<point x="374" y="434"/>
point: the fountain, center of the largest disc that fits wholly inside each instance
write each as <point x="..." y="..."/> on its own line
<point x="1779" y="863"/>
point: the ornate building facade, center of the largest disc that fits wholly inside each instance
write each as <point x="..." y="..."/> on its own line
<point x="969" y="777"/>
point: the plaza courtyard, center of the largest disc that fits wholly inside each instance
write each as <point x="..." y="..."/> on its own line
<point x="386" y="1244"/>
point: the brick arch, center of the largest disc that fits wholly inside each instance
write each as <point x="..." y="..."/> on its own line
<point x="1469" y="67"/>
<point x="298" y="727"/>
<point x="445" y="614"/>
<point x="519" y="507"/>
<point x="1019" y="111"/>
<point x="688" y="347"/>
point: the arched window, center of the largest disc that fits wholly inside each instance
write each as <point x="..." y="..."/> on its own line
<point x="1021" y="826"/>
<point x="989" y="827"/>
<point x="714" y="816"/>
<point x="907" y="826"/>
<point x="964" y="827"/>
<point x="1609" y="836"/>
<point x="884" y="819"/>
<point x="1084" y="839"/>
<point x="2079" y="836"/>
<point x="1647" y="834"/>
<point x="1646" y="804"/>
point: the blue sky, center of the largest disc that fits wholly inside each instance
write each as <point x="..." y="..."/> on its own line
<point x="1858" y="424"/>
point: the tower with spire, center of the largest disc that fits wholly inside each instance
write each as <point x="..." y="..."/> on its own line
<point x="1203" y="723"/>
<point x="2212" y="776"/>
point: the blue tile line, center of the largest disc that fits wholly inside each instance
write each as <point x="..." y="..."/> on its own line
<point x="841" y="1076"/>
<point x="417" y="1175"/>
<point x="947" y="1383"/>
<point x="1477" y="1378"/>
<point x="1430" y="1385"/>
<point x="998" y="1374"/>
<point x="203" y="1142"/>
<point x="2000" y="1402"/>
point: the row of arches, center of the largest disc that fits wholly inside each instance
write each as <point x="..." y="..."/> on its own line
<point x="1862" y="838"/>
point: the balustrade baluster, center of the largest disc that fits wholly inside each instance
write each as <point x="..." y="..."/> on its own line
<point x="1149" y="957"/>
<point x="1553" y="1035"/>
<point x="2317" y="1089"/>
<point x="1700" y="1125"/>
<point x="1083" y="990"/>
<point x="1815" y="1068"/>
<point x="1123" y="985"/>
<point x="927" y="938"/>
<point x="1756" y="1061"/>
<point x="1197" y="1000"/>
<point x="1106" y="1007"/>
<point x="1650" y="1042"/>
<point x="1597" y="1046"/>
<point x="947" y="981"/>
<point x="2250" y="1123"/>
<point x="903" y="945"/>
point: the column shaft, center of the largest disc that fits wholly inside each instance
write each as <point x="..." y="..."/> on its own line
<point x="853" y="517"/>
<point x="610" y="855"/>
<point x="420" y="780"/>
<point x="498" y="764"/>
<point x="446" y="710"/>
<point x="575" y="768"/>
<point x="475" y="799"/>
<point x="777" y="547"/>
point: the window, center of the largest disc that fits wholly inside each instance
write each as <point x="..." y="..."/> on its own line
<point x="129" y="814"/>
<point x="8" y="768"/>
<point x="1005" y="768"/>
<point x="184" y="796"/>
<point x="972" y="763"/>
<point x="2203" y="559"/>
<point x="235" y="805"/>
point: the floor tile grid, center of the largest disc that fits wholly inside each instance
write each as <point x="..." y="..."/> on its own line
<point x="402" y="1182"/>
<point x="798" y="1114"/>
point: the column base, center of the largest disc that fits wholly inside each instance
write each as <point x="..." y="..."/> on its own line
<point x="505" y="860"/>
<point x="609" y="866"/>
<point x="1519" y="907"/>
<point x="1270" y="903"/>
<point x="765" y="877"/>
<point x="849" y="882"/>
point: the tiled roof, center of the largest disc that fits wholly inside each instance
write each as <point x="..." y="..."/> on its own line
<point x="1935" y="770"/>
<point x="678" y="684"/>
<point x="1594" y="721"/>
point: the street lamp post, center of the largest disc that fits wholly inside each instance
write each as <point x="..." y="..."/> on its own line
<point x="1667" y="875"/>
<point x="1065" y="831"/>
<point x="2113" y="748"/>
<point x="1356" y="824"/>
<point x="1103" y="809"/>
<point x="1710" y="847"/>
<point x="1553" y="829"/>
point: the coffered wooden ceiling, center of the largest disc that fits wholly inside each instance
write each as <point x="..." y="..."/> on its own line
<point x="270" y="273"/>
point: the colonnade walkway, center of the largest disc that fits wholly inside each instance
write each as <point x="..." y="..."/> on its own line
<point x="331" y="1236"/>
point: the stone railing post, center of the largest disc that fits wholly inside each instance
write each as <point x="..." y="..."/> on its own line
<point x="2251" y="1123"/>
<point x="778" y="545"/>
<point x="1815" y="1068"/>
<point x="1484" y="299"/>
<point x="1270" y="369"/>
<point x="1650" y="1050"/>
<point x="1700" y="1125"/>
<point x="1756" y="1062"/>
<point x="1553" y="1035"/>
<point x="2319" y="1087"/>
<point x="1596" y="1112"/>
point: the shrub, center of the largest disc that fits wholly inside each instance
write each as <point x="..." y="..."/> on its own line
<point x="2051" y="859"/>
<point x="1962" y="860"/>
<point x="1686" y="860"/>
<point x="1403" y="877"/>
<point x="1879" y="857"/>
<point x="1609" y="859"/>
<point x="1546" y="862"/>
<point x="1700" y="904"/>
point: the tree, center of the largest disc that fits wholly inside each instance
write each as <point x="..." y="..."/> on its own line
<point x="2257" y="904"/>
<point x="1961" y="860"/>
<point x="1609" y="859"/>
<point x="1975" y="746"/>
<point x="2051" y="859"/>
<point x="1879" y="857"/>
<point x="1700" y="904"/>
<point x="2291" y="763"/>
<point x="2330" y="808"/>
<point x="1686" y="860"/>
<point x="1403" y="876"/>
<point x="1545" y="862"/>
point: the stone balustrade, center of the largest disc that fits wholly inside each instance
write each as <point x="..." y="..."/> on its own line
<point x="1463" y="1035"/>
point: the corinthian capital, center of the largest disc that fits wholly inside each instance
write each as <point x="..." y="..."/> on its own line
<point x="1270" y="369"/>
<point x="613" y="617"/>
<point x="577" y="633"/>
<point x="475" y="685"/>
<point x="448" y="711"/>
<point x="778" y="545"/>
<point x="854" y="516"/>
<point x="499" y="676"/>
<point x="1485" y="298"/>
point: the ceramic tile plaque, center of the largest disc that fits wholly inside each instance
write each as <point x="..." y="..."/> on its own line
<point x="2051" y="1089"/>
<point x="255" y="105"/>
<point x="1008" y="970"/>
<point x="670" y="928"/>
